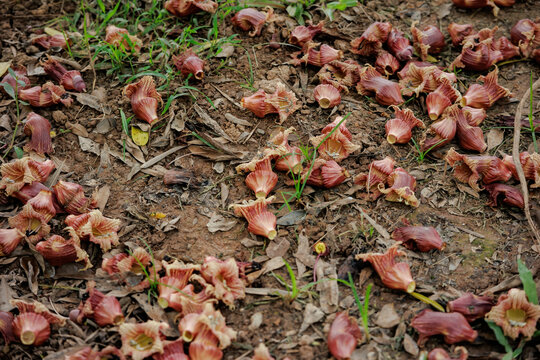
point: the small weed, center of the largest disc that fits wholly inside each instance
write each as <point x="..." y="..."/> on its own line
<point x="422" y="154"/>
<point x="125" y="129"/>
<point x="295" y="292"/>
<point x="363" y="308"/>
<point x="298" y="9"/>
<point x="341" y="5"/>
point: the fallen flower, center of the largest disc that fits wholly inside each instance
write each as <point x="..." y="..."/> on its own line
<point x="304" y="34"/>
<point x="46" y="95"/>
<point x="401" y="188"/>
<point x="38" y="308"/>
<point x="143" y="339"/>
<point x="509" y="194"/>
<point x="526" y="35"/>
<point x="167" y="286"/>
<point x="515" y="314"/>
<point x="378" y="174"/>
<point x="39" y="129"/>
<point x="321" y="57"/>
<point x="423" y="238"/>
<point x="484" y="96"/>
<point x="386" y="92"/>
<point x="95" y="227"/>
<point x="261" y="353"/>
<point x="337" y="145"/>
<point x="399" y="45"/>
<point x="469" y="137"/>
<point x="530" y="164"/>
<point x="20" y="73"/>
<point x="471" y="306"/>
<point x="33" y="218"/>
<point x="144" y="99"/>
<point x="471" y="169"/>
<point x="423" y="79"/>
<point x="444" y="130"/>
<point x="17" y="174"/>
<point x="386" y="63"/>
<point x="252" y="19"/>
<point x="325" y="173"/>
<point x="343" y="336"/>
<point x="429" y="40"/>
<point x="399" y="129"/>
<point x="479" y="58"/>
<point x="505" y="46"/>
<point x="372" y="39"/>
<point x="189" y="63"/>
<point x="104" y="310"/>
<point x="172" y="350"/>
<point x="120" y="37"/>
<point x="476" y="4"/>
<point x="281" y="102"/>
<point x="458" y="32"/>
<point x="327" y="96"/>
<point x="260" y="220"/>
<point x="31" y="328"/>
<point x="440" y="99"/>
<point x="340" y="74"/>
<point x="224" y="278"/>
<point x="454" y="326"/>
<point x="441" y="354"/>
<point x="70" y="80"/>
<point x="6" y="326"/>
<point x="263" y="179"/>
<point x="88" y="353"/>
<point x="181" y="8"/>
<point x="9" y="240"/>
<point x="59" y="251"/>
<point x="49" y="41"/>
<point x="71" y="197"/>
<point x="474" y="116"/>
<point x="393" y="274"/>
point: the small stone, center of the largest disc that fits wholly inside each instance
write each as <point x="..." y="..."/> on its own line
<point x="410" y="345"/>
<point x="256" y="320"/>
<point x="260" y="131"/>
<point x="387" y="317"/>
<point x="346" y="302"/>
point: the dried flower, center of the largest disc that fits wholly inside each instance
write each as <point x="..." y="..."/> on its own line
<point x="6" y="326"/>
<point x="95" y="227"/>
<point x="343" y="336"/>
<point x="530" y="164"/>
<point x="386" y="63"/>
<point x="38" y="308"/>
<point x="261" y="353"/>
<point x="49" y="41"/>
<point x="189" y="302"/>
<point x="441" y="354"/>
<point x="440" y="99"/>
<point x="282" y="102"/>
<point x="288" y="158"/>
<point x="263" y="179"/>
<point x="394" y="275"/>
<point x="471" y="169"/>
<point x="423" y="238"/>
<point x="144" y="99"/>
<point x="71" y="197"/>
<point x="443" y="130"/>
<point x="16" y="174"/>
<point x="31" y="328"/>
<point x="105" y="310"/>
<point x="340" y="74"/>
<point x="378" y="174"/>
<point x="471" y="306"/>
<point x="46" y="95"/>
<point x="39" y="129"/>
<point x="142" y="340"/>
<point x="484" y="96"/>
<point x="372" y="39"/>
<point x="505" y="46"/>
<point x="338" y="145"/>
<point x="327" y="96"/>
<point x="429" y="40"/>
<point x="399" y="45"/>
<point x="401" y="188"/>
<point x="121" y="38"/>
<point x="515" y="314"/>
<point x="189" y="63"/>
<point x="479" y="58"/>
<point x="224" y="278"/>
<point x="474" y="116"/>
<point x="419" y="78"/>
<point x="261" y="221"/>
<point x="453" y="326"/>
<point x="476" y="4"/>
<point x="59" y="251"/>
<point x="386" y="92"/>
<point x="20" y="73"/>
<point x="458" y="32"/>
<point x="323" y="56"/>
<point x="403" y="72"/>
<point x="70" y="80"/>
<point x="180" y="8"/>
<point x="469" y="137"/>
<point x="167" y="286"/>
<point x="9" y="240"/>
<point x="399" y="129"/>
<point x="304" y="34"/>
<point x="34" y="216"/>
<point x="172" y="350"/>
<point x="526" y="35"/>
<point x="252" y="19"/>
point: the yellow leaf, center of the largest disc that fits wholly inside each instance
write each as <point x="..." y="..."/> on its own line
<point x="157" y="215"/>
<point x="4" y="66"/>
<point x="431" y="59"/>
<point x="52" y="133"/>
<point x="51" y="31"/>
<point x="139" y="137"/>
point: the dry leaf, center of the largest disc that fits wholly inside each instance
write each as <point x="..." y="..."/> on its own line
<point x="328" y="290"/>
<point x="102" y="196"/>
<point x="89" y="145"/>
<point x="5" y="295"/>
<point x="219" y="223"/>
<point x="31" y="268"/>
<point x="139" y="136"/>
<point x="77" y="129"/>
<point x="52" y="32"/>
<point x="388" y="317"/>
<point x="494" y="138"/>
<point x="4" y="66"/>
<point x="278" y="247"/>
<point x="312" y="314"/>
<point x="468" y="190"/>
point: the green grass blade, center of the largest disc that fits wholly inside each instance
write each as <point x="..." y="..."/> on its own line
<point x="528" y="283"/>
<point x="499" y="335"/>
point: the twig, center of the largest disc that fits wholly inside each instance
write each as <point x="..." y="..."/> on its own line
<point x="373" y="223"/>
<point x="517" y="163"/>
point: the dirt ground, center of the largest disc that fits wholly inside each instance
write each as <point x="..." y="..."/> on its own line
<point x="482" y="242"/>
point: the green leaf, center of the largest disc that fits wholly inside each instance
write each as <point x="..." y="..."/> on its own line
<point x="18" y="152"/>
<point x="528" y="283"/>
<point x="9" y="89"/>
<point x="101" y="6"/>
<point x="499" y="335"/>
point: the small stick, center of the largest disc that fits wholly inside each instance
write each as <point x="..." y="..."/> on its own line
<point x="517" y="163"/>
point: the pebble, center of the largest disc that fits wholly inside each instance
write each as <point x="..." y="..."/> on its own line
<point x="256" y="320"/>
